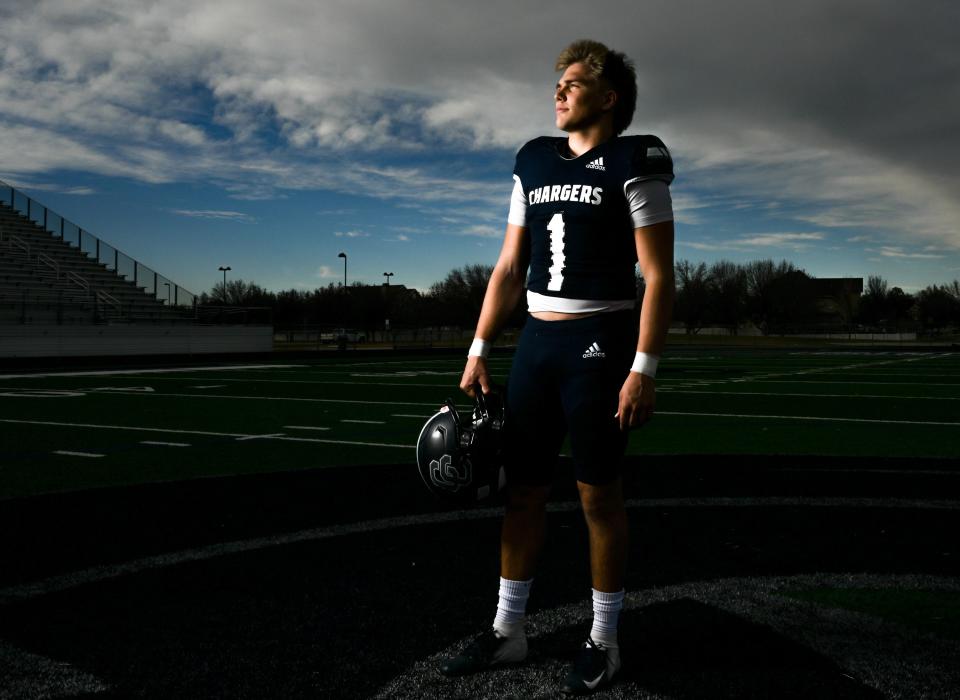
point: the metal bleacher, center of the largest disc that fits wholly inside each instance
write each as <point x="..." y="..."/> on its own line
<point x="54" y="272"/>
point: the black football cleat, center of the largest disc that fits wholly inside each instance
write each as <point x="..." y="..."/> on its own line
<point x="486" y="651"/>
<point x="593" y="668"/>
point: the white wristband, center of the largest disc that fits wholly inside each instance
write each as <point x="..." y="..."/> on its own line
<point x="645" y="364"/>
<point x="479" y="348"/>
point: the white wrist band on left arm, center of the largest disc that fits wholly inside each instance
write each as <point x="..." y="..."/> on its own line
<point x="479" y="348"/>
<point x="645" y="363"/>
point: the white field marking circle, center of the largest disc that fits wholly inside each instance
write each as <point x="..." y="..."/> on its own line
<point x="107" y="572"/>
<point x="169" y="370"/>
<point x="30" y="675"/>
<point x="897" y="660"/>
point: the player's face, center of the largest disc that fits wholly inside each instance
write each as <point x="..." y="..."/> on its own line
<point x="580" y="100"/>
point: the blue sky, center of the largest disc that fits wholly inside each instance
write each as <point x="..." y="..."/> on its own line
<point x="271" y="137"/>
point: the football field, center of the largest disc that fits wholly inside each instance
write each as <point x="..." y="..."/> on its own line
<point x="259" y="529"/>
<point x="81" y="429"/>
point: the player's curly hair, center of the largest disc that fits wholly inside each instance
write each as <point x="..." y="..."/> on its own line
<point x="609" y="65"/>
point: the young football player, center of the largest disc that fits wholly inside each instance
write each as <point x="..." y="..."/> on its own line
<point x="586" y="207"/>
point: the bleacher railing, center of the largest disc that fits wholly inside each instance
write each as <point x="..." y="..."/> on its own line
<point x="161" y="288"/>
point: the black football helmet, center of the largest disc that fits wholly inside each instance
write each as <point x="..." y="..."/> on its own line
<point x="462" y="460"/>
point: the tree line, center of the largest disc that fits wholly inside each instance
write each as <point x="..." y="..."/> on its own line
<point x="776" y="297"/>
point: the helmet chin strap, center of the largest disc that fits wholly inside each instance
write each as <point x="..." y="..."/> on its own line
<point x="481" y="402"/>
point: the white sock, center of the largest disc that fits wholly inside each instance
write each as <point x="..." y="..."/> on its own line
<point x="512" y="607"/>
<point x="606" y="614"/>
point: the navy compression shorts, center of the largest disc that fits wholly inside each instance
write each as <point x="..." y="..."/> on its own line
<point x="566" y="379"/>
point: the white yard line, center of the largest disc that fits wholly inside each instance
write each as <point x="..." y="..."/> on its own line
<point x="348" y="442"/>
<point x="772" y="377"/>
<point x="140" y="429"/>
<point x="239" y="437"/>
<point x="68" y="453"/>
<point x="432" y="404"/>
<point x="368" y="422"/>
<point x="435" y="385"/>
<point x="835" y="368"/>
<point x="411" y="403"/>
<point x="165" y="444"/>
<point x="819" y="418"/>
<point x="670" y="390"/>
<point x="840" y="381"/>
<point x="305" y="427"/>
<point x="168" y="370"/>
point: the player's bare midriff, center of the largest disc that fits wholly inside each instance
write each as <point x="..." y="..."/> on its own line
<point x="558" y="316"/>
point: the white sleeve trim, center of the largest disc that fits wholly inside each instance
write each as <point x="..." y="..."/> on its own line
<point x="649" y="201"/>
<point x="518" y="204"/>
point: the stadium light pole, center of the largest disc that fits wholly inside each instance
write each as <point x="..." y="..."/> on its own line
<point x="344" y="256"/>
<point x="224" y="271"/>
<point x="388" y="275"/>
<point x="167" y="285"/>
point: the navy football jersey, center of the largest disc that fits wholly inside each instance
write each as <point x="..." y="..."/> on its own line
<point x="581" y="233"/>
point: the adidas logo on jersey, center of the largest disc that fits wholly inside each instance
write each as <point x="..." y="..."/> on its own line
<point x="597" y="164"/>
<point x="594" y="351"/>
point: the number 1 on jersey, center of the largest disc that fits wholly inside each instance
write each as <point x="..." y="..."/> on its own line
<point x="557" y="229"/>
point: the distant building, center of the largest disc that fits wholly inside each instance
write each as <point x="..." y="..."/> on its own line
<point x="837" y="299"/>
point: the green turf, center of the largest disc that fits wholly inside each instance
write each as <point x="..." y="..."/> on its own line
<point x="928" y="611"/>
<point x="714" y="401"/>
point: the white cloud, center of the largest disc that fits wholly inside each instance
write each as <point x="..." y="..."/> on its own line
<point x="793" y="241"/>
<point x="79" y="191"/>
<point x="700" y="245"/>
<point x="350" y="234"/>
<point x="897" y="252"/>
<point x="325" y="272"/>
<point x="237" y="216"/>
<point x="779" y="239"/>
<point x="482" y="231"/>
<point x="772" y="105"/>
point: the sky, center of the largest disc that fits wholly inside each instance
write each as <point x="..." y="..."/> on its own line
<point x="271" y="136"/>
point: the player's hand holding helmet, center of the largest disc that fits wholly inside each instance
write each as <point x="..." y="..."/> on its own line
<point x="460" y="458"/>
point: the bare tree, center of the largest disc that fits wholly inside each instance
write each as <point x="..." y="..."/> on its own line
<point x="457" y="299"/>
<point x="764" y="303"/>
<point x="727" y="283"/>
<point x="693" y="295"/>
